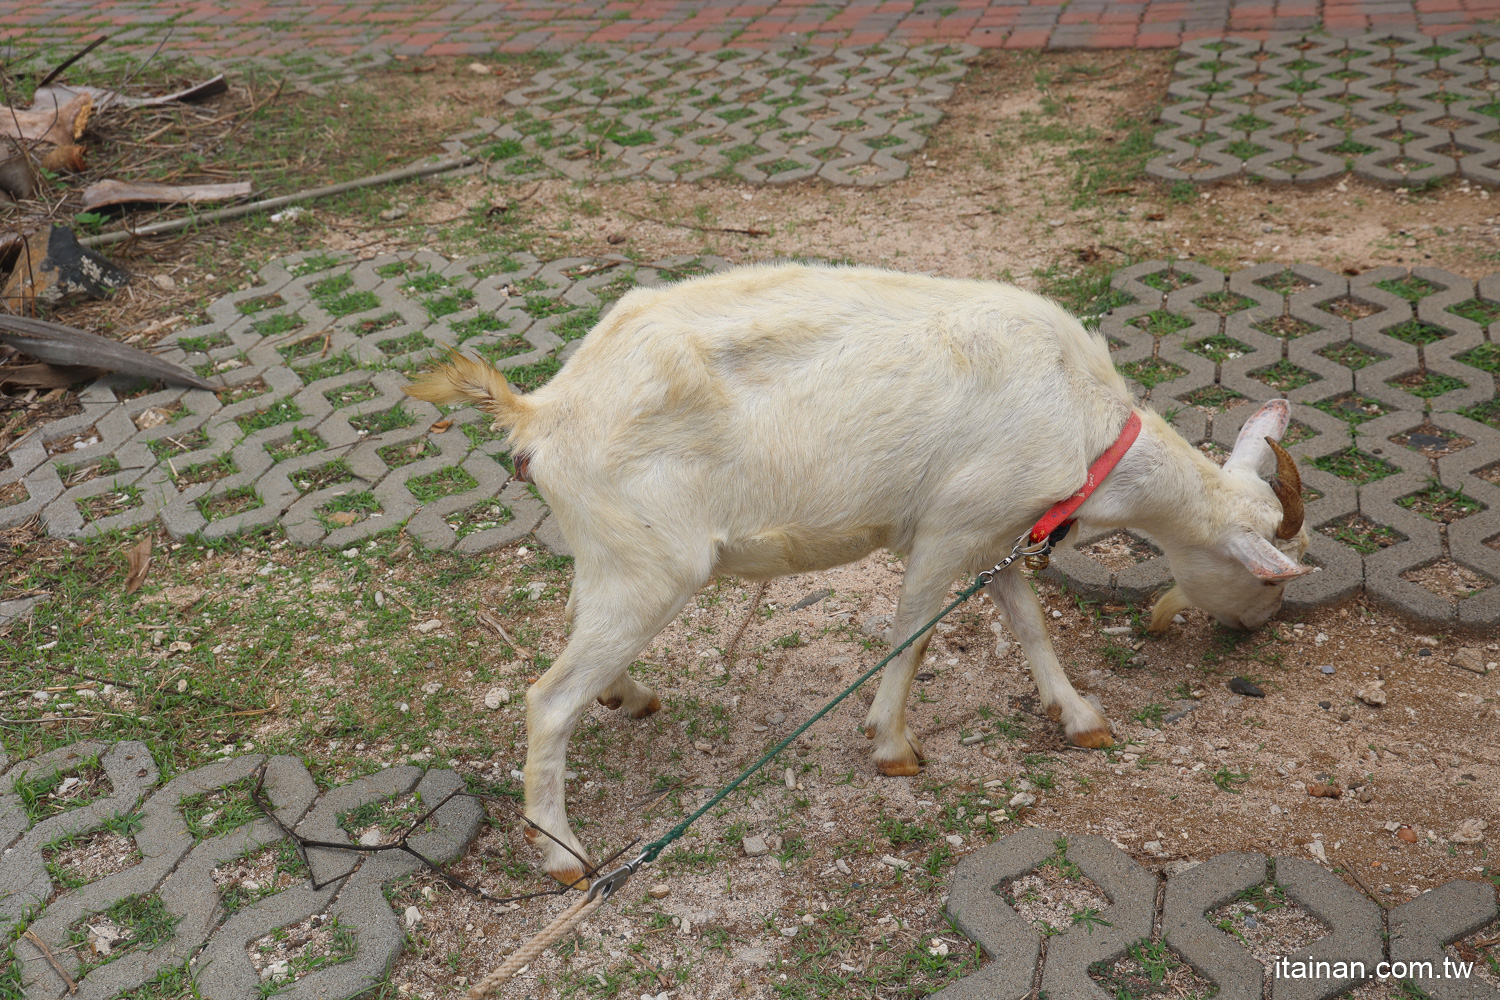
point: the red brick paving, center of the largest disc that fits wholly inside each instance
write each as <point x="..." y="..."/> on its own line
<point x="464" y="27"/>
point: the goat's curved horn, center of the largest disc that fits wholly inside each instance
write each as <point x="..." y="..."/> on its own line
<point x="1288" y="489"/>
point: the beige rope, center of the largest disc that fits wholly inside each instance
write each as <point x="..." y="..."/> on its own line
<point x="528" y="952"/>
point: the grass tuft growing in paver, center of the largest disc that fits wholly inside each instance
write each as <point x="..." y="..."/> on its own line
<point x="1161" y="323"/>
<point x="1151" y="373"/>
<point x="283" y="411"/>
<point x="350" y="508"/>
<point x="1355" y="466"/>
<point x="1353" y="408"/>
<point x="1284" y="376"/>
<point x="47" y="793"/>
<point x="443" y="482"/>
<point x="231" y="502"/>
<point x="1437" y="502"/>
<point x="216" y="812"/>
<point x="1350" y="355"/>
<point x="380" y="422"/>
<point x="1219" y="348"/>
<point x="1417" y="332"/>
<point x="140" y="923"/>
<point x="1411" y="288"/>
<point x="1361" y="534"/>
<point x="1485" y="357"/>
<point x="1426" y="385"/>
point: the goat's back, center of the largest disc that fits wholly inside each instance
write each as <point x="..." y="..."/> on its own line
<point x="827" y="393"/>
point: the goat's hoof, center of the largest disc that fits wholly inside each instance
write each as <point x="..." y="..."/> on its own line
<point x="899" y="768"/>
<point x="572" y="877"/>
<point x="1093" y="739"/>
<point x="650" y="708"/>
<point x="869" y="732"/>
<point x="903" y="765"/>
<point x="610" y="703"/>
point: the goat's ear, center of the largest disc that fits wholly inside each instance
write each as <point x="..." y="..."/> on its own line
<point x="1265" y="560"/>
<point x="1250" y="448"/>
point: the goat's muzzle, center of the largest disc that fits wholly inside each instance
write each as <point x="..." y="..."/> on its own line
<point x="1288" y="489"/>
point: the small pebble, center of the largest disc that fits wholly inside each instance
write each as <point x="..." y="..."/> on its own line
<point x="659" y="891"/>
<point x="1240" y="685"/>
<point x="1327" y="668"/>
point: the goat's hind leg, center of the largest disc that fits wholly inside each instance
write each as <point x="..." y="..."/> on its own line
<point x="630" y="694"/>
<point x="615" y="621"/>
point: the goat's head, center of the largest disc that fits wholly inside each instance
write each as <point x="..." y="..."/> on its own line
<point x="1258" y="540"/>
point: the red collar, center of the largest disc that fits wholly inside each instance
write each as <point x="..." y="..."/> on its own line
<point x="1059" y="517"/>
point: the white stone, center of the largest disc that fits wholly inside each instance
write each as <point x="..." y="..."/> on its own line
<point x="755" y="847"/>
<point x="1020" y="800"/>
<point x="413" y="917"/>
<point x="431" y="625"/>
<point x="370" y="838"/>
<point x="495" y="697"/>
<point x="891" y="861"/>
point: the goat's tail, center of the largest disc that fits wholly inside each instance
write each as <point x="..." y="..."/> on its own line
<point x="462" y="379"/>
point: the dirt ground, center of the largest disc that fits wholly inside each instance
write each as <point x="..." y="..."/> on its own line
<point x="1034" y="177"/>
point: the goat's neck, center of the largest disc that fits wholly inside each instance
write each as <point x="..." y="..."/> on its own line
<point x="1163" y="486"/>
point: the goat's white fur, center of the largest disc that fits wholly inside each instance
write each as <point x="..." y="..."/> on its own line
<point x="787" y="418"/>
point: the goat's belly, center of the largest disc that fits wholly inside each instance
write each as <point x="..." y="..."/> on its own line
<point x="781" y="551"/>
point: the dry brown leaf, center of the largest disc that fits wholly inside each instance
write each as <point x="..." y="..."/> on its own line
<point x="65" y="159"/>
<point x="139" y="555"/>
<point x="441" y="426"/>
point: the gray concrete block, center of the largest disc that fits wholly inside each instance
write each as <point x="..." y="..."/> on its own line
<point x="1132" y="894"/>
<point x="322" y="822"/>
<point x="1355" y="934"/>
<point x="974" y="905"/>
<point x="1421" y="927"/>
<point x="1211" y="952"/>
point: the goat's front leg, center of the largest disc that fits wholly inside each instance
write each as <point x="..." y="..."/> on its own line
<point x="923" y="590"/>
<point x="1083" y="724"/>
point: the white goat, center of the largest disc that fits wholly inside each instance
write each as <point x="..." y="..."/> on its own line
<point x="787" y="418"/>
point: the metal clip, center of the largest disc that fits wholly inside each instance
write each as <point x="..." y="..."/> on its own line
<point x="608" y="884"/>
<point x="1023" y="547"/>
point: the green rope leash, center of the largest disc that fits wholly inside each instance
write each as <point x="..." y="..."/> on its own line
<point x="654" y="849"/>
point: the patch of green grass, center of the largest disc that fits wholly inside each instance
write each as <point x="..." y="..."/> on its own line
<point x="381" y="421"/>
<point x="301" y="442"/>
<point x="1415" y="331"/>
<point x="1161" y="323"/>
<point x="1361" y="534"/>
<point x="282" y="411"/>
<point x="1151" y="373"/>
<point x="1224" y="302"/>
<point x="273" y="326"/>
<point x="210" y="814"/>
<point x="146" y="919"/>
<point x="229" y="503"/>
<point x="1226" y="779"/>
<point x="1426" y="385"/>
<point x="478" y="325"/>
<point x="1441" y="503"/>
<point x="1214" y="397"/>
<point x="250" y="307"/>
<point x="1284" y="376"/>
<point x="529" y="377"/>
<point x="1350" y="355"/>
<point x="1485" y="357"/>
<point x="1411" y="288"/>
<point x="1481" y="311"/>
<point x="338" y="364"/>
<point x="1487" y="412"/>
<point x="1151" y="715"/>
<point x="1219" y="348"/>
<point x="443" y="482"/>
<point x="361" y="502"/>
<point x="1355" y="466"/>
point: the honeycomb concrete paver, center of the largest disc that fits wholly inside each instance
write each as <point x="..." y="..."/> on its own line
<point x="1391" y="375"/>
<point x="1421" y="927"/>
<point x="1355" y="932"/>
<point x="846" y="115"/>
<point x="179" y="871"/>
<point x="1213" y="953"/>
<point x="1417" y="929"/>
<point x="1366" y="362"/>
<point x="1394" y="107"/>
